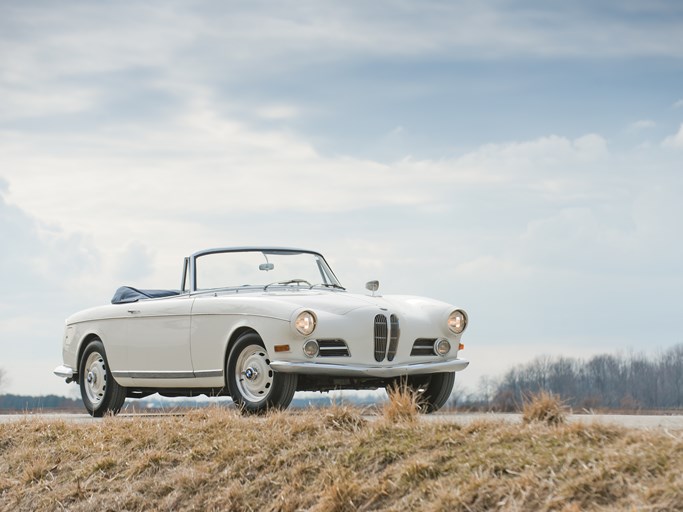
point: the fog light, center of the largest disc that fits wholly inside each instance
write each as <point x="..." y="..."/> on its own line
<point x="311" y="348"/>
<point x="442" y="347"/>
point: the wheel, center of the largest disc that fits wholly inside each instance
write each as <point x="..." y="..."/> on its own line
<point x="101" y="393"/>
<point x="434" y="389"/>
<point x="253" y="385"/>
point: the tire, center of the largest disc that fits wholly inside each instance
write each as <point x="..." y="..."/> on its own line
<point x="253" y="385"/>
<point x="100" y="392"/>
<point x="434" y="389"/>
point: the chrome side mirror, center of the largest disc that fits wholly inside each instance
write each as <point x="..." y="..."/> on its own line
<point x="373" y="286"/>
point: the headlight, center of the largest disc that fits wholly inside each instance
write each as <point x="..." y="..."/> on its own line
<point x="305" y="323"/>
<point x="457" y="321"/>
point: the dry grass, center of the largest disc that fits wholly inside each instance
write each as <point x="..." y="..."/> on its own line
<point x="333" y="460"/>
<point x="343" y="417"/>
<point x="544" y="407"/>
<point x="403" y="405"/>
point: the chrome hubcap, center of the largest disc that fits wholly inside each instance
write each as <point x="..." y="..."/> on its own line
<point x="96" y="378"/>
<point x="253" y="375"/>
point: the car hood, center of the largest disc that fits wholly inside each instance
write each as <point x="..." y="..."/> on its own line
<point x="341" y="303"/>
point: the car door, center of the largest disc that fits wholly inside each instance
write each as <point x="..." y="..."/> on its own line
<point x="213" y="319"/>
<point x="158" y="339"/>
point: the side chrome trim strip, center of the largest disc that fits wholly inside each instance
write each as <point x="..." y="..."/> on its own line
<point x="209" y="373"/>
<point x="168" y="375"/>
<point x="155" y="375"/>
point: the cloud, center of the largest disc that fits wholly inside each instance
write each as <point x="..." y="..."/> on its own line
<point x="217" y="165"/>
<point x="38" y="252"/>
<point x="48" y="274"/>
<point x="278" y="112"/>
<point x="220" y="182"/>
<point x="678" y="104"/>
<point x="674" y="141"/>
<point x="640" y="125"/>
<point x="135" y="262"/>
<point x="40" y="100"/>
<point x="166" y="43"/>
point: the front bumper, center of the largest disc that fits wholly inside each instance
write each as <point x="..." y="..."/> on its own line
<point x="344" y="370"/>
<point x="66" y="372"/>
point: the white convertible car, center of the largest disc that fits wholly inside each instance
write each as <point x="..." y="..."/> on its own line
<point x="258" y="324"/>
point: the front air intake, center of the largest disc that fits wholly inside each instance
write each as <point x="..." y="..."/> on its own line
<point x="380" y="337"/>
<point x="394" y="334"/>
<point x="423" y="347"/>
<point x="333" y="348"/>
<point x="386" y="332"/>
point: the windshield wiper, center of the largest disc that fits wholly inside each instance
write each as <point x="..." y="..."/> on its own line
<point x="291" y="281"/>
<point x="330" y="285"/>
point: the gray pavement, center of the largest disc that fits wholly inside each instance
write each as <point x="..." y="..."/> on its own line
<point x="661" y="422"/>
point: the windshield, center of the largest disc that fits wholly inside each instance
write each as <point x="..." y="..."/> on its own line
<point x="267" y="269"/>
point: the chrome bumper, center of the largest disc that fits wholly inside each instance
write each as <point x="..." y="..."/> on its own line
<point x="66" y="372"/>
<point x="345" y="370"/>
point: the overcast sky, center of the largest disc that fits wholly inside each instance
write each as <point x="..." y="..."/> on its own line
<point x="523" y="160"/>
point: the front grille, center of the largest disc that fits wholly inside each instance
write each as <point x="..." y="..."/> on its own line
<point x="333" y="348"/>
<point x="386" y="332"/>
<point x="423" y="347"/>
<point x="395" y="333"/>
<point x="380" y="337"/>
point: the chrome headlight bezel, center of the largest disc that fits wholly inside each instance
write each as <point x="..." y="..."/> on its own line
<point x="442" y="347"/>
<point x="305" y="323"/>
<point x="311" y="348"/>
<point x="457" y="321"/>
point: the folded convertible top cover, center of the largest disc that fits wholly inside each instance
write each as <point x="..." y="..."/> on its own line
<point x="127" y="294"/>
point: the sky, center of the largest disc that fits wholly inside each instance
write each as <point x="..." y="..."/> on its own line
<point x="520" y="159"/>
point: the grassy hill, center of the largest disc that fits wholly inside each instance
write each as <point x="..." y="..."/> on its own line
<point x="334" y="459"/>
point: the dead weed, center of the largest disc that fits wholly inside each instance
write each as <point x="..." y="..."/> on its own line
<point x="336" y="460"/>
<point x="544" y="407"/>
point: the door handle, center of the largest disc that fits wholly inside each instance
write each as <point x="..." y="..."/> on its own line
<point x="134" y="311"/>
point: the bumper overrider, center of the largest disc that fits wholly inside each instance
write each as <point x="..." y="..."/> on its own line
<point x="346" y="370"/>
<point x="64" y="371"/>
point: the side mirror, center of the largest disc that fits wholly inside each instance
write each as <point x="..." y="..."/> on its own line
<point x="373" y="286"/>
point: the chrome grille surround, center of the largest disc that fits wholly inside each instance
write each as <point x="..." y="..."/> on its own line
<point x="380" y="337"/>
<point x="394" y="335"/>
<point x="386" y="333"/>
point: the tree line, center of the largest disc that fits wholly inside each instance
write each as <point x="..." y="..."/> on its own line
<point x="624" y="381"/>
<point x="21" y="403"/>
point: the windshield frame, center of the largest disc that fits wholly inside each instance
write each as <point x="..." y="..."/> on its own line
<point x="190" y="265"/>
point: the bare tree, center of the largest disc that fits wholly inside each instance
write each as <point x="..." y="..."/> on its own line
<point x="625" y="380"/>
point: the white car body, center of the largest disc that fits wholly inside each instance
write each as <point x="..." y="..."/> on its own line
<point x="179" y="344"/>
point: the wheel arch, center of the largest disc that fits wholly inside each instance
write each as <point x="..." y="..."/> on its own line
<point x="81" y="348"/>
<point x="234" y="336"/>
